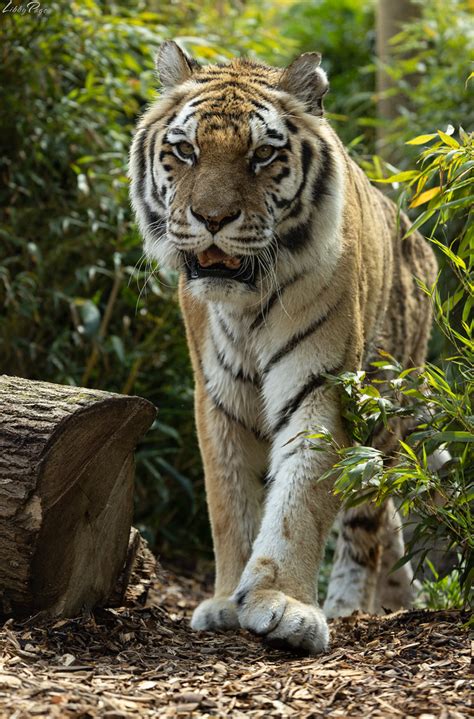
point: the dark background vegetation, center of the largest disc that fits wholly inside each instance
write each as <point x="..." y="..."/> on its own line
<point x="79" y="303"/>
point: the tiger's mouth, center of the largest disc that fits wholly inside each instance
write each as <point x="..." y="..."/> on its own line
<point x="215" y="263"/>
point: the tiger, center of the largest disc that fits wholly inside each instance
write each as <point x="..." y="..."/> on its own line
<point x="292" y="269"/>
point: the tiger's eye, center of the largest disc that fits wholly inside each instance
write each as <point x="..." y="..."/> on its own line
<point x="185" y="149"/>
<point x="264" y="152"/>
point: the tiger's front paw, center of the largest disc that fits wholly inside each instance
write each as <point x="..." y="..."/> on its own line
<point x="282" y="620"/>
<point x="214" y="614"/>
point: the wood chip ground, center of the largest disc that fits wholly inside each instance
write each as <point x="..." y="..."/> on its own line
<point x="144" y="661"/>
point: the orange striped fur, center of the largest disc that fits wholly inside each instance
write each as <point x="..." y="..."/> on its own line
<point x="292" y="266"/>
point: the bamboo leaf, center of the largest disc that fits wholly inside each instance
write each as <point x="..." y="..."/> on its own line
<point x="448" y="140"/>
<point x="453" y="436"/>
<point x="400" y="177"/>
<point x="425" y="196"/>
<point x="421" y="139"/>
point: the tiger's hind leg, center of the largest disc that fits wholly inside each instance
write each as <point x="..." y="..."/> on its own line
<point x="398" y="589"/>
<point x="357" y="562"/>
<point x="369" y="543"/>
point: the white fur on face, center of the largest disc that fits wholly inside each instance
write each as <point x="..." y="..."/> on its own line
<point x="174" y="229"/>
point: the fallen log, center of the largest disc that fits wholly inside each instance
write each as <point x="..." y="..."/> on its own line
<point x="66" y="494"/>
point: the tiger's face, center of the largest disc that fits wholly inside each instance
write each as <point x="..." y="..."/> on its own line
<point x="224" y="168"/>
<point x="220" y="211"/>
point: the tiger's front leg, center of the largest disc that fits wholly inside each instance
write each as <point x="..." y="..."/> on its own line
<point x="277" y="595"/>
<point x="234" y="462"/>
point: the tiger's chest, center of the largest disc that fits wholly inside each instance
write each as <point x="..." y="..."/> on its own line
<point x="232" y="370"/>
<point x="256" y="367"/>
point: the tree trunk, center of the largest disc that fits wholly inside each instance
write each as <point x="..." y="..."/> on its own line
<point x="390" y="16"/>
<point x="66" y="493"/>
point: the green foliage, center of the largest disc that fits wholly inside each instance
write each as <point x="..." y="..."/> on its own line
<point x="441" y="190"/>
<point x="82" y="306"/>
<point x="431" y="64"/>
<point x="217" y="31"/>
<point x="442" y="592"/>
<point x="434" y="403"/>
<point x="433" y="59"/>
<point x="344" y="33"/>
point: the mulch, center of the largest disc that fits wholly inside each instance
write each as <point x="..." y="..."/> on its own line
<point x="144" y="661"/>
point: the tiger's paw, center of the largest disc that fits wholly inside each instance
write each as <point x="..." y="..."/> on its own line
<point x="215" y="614"/>
<point x="283" y="621"/>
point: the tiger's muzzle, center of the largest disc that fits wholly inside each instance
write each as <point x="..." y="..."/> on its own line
<point x="215" y="263"/>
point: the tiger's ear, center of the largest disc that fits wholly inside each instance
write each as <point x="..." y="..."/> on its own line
<point x="305" y="79"/>
<point x="173" y="66"/>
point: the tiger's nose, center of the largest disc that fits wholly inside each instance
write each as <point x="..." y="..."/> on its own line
<point x="215" y="221"/>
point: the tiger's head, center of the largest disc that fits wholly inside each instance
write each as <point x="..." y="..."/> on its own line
<point x="228" y="169"/>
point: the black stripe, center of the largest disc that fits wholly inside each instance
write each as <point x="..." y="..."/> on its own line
<point x="367" y="524"/>
<point x="223" y="115"/>
<point x="295" y="450"/>
<point x="152" y="149"/>
<point x="259" y="116"/>
<point x="262" y="316"/>
<point x="321" y="184"/>
<point x="294" y="341"/>
<point x="285" y="171"/>
<point x="231" y="416"/>
<point x="282" y="156"/>
<point x="298" y="237"/>
<point x="291" y="453"/>
<point x="264" y="84"/>
<point x="242" y="84"/>
<point x="170" y="119"/>
<point x="151" y="215"/>
<point x="295" y="211"/>
<point x="239" y="375"/>
<point x="197" y="102"/>
<point x="225" y="329"/>
<point x="186" y="118"/>
<point x="281" y="202"/>
<point x="178" y="130"/>
<point x="315" y="382"/>
<point x="258" y="105"/>
<point x="246" y="94"/>
<point x="258" y="74"/>
<point x="141" y="161"/>
<point x="182" y="236"/>
<point x="267" y="479"/>
<point x="274" y="134"/>
<point x="240" y="92"/>
<point x="306" y="158"/>
<point x="243" y="238"/>
<point x="291" y="126"/>
<point x="224" y="85"/>
<point x="363" y="557"/>
<point x="220" y="69"/>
